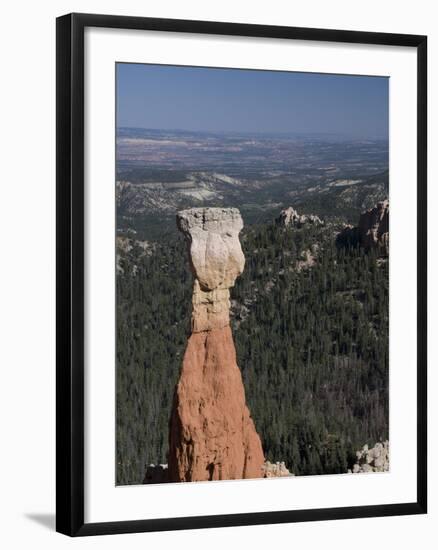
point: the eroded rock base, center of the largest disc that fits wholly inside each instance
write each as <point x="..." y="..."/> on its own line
<point x="212" y="435"/>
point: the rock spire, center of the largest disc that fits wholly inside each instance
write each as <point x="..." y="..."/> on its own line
<point x="374" y="227"/>
<point x="212" y="435"/>
<point x="372" y="230"/>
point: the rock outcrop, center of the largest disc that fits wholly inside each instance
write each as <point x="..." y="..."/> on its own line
<point x="374" y="227"/>
<point x="276" y="469"/>
<point x="348" y="236"/>
<point x="290" y="218"/>
<point x="375" y="459"/>
<point x="371" y="232"/>
<point x="156" y="474"/>
<point x="212" y="435"/>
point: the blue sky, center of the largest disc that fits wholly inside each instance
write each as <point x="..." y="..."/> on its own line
<point x="230" y="100"/>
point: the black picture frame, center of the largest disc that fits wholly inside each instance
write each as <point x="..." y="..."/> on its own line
<point x="70" y="273"/>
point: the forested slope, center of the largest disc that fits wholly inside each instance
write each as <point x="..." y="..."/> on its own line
<point x="311" y="331"/>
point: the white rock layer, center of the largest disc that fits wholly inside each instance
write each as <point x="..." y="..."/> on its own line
<point x="375" y="459"/>
<point x="216" y="259"/>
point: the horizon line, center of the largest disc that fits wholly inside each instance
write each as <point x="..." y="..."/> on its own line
<point x="247" y="132"/>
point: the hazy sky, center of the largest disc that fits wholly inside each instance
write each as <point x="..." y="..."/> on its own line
<point x="230" y="100"/>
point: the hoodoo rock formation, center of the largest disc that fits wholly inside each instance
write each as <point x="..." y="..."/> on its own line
<point x="212" y="435"/>
<point x="369" y="460"/>
<point x="372" y="230"/>
<point x="374" y="227"/>
<point x="289" y="217"/>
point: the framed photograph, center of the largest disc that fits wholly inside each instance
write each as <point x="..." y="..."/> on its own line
<point x="241" y="325"/>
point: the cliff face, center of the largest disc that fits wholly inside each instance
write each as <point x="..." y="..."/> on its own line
<point x="374" y="227"/>
<point x="212" y="435"/>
